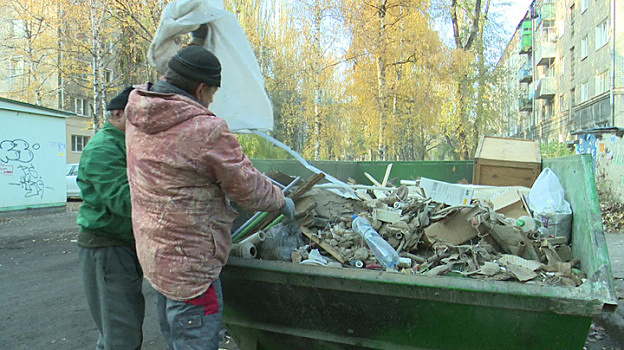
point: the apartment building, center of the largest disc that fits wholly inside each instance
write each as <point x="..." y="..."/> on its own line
<point x="566" y="69"/>
<point x="32" y="72"/>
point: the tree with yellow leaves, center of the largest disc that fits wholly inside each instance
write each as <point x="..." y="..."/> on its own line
<point x="396" y="77"/>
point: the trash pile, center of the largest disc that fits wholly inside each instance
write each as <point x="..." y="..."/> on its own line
<point x="430" y="228"/>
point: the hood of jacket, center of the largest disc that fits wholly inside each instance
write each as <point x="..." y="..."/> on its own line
<point x="153" y="111"/>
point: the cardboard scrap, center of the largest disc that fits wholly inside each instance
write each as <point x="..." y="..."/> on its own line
<point x="447" y="193"/>
<point x="510" y="203"/>
<point x="520" y="268"/>
<point x="489" y="268"/>
<point x="455" y="229"/>
<point x="521" y="274"/>
<point x="390" y="216"/>
<point x="511" y="260"/>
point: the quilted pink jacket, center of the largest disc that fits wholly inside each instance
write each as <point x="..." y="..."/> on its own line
<point x="184" y="165"/>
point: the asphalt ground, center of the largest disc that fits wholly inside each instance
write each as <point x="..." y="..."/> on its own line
<point x="43" y="304"/>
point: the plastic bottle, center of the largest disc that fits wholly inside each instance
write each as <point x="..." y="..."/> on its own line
<point x="385" y="254"/>
<point x="527" y="224"/>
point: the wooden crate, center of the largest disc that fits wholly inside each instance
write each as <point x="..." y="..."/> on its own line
<point x="503" y="161"/>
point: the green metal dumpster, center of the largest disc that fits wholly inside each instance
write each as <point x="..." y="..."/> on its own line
<point x="280" y="305"/>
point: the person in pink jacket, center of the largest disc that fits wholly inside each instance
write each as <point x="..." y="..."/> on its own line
<point x="184" y="167"/>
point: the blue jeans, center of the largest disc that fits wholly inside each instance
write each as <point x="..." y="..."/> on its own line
<point x="113" y="280"/>
<point x="193" y="324"/>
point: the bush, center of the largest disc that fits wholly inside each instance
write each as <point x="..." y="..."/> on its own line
<point x="555" y="150"/>
<point x="255" y="146"/>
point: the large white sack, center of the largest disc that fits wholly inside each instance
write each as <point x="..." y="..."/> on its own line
<point x="242" y="99"/>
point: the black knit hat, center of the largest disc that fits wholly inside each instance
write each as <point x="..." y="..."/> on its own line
<point x="120" y="101"/>
<point x="197" y="63"/>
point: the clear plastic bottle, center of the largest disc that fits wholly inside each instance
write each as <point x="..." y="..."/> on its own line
<point x="385" y="254"/>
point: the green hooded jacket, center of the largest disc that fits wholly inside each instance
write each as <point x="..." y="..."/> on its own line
<point x="105" y="217"/>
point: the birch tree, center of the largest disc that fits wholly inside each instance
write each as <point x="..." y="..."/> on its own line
<point x="27" y="35"/>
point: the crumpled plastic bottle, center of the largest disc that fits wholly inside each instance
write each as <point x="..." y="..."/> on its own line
<point x="385" y="254"/>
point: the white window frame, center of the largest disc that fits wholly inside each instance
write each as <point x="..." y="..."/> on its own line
<point x="584" y="5"/>
<point x="584" y="92"/>
<point x="602" y="83"/>
<point x="78" y="143"/>
<point x="17" y="66"/>
<point x="80" y="106"/>
<point x="602" y="34"/>
<point x="583" y="48"/>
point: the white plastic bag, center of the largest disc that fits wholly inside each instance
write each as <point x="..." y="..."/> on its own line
<point x="549" y="207"/>
<point x="242" y="99"/>
<point x="547" y="195"/>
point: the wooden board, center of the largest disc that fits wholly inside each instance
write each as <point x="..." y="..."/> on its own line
<point x="506" y="162"/>
<point x="509" y="149"/>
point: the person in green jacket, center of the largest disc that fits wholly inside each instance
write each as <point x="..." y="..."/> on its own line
<point x="110" y="269"/>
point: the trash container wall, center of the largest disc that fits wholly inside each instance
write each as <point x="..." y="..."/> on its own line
<point x="449" y="171"/>
<point x="576" y="175"/>
<point x="340" y="170"/>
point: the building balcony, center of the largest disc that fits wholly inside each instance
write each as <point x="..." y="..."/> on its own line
<point x="546" y="88"/>
<point x="545" y="53"/>
<point x="525" y="103"/>
<point x="526" y="43"/>
<point x="525" y="74"/>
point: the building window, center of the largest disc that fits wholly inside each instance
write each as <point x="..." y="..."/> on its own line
<point x="572" y="97"/>
<point x="602" y="83"/>
<point x="583" y="48"/>
<point x="108" y="76"/>
<point x="572" y="19"/>
<point x="602" y="34"/>
<point x="572" y="63"/>
<point x="80" y="106"/>
<point x="584" y="96"/>
<point x="584" y="5"/>
<point x="562" y="65"/>
<point x="17" y="66"/>
<point x="562" y="106"/>
<point x="79" y="142"/>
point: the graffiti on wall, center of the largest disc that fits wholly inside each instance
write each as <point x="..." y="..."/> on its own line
<point x="17" y="150"/>
<point x="16" y="157"/>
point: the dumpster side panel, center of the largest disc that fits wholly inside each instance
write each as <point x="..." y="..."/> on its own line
<point x="588" y="240"/>
<point x="331" y="311"/>
<point x="449" y="171"/>
<point x="340" y="170"/>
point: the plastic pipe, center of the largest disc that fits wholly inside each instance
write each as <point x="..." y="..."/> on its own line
<point x="357" y="263"/>
<point x="250" y="226"/>
<point x="244" y="228"/>
<point x="244" y="250"/>
<point x="255" y="239"/>
<point x="275" y="222"/>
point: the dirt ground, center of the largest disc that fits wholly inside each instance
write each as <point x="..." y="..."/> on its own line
<point x="43" y="304"/>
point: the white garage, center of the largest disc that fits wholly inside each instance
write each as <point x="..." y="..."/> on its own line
<point x="32" y="156"/>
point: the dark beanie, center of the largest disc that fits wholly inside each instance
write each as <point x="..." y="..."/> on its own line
<point x="198" y="64"/>
<point x="120" y="101"/>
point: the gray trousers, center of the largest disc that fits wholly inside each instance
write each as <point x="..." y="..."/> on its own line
<point x="194" y="324"/>
<point x="113" y="280"/>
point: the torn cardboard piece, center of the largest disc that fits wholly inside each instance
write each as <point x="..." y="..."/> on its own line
<point x="511" y="204"/>
<point x="454" y="229"/>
